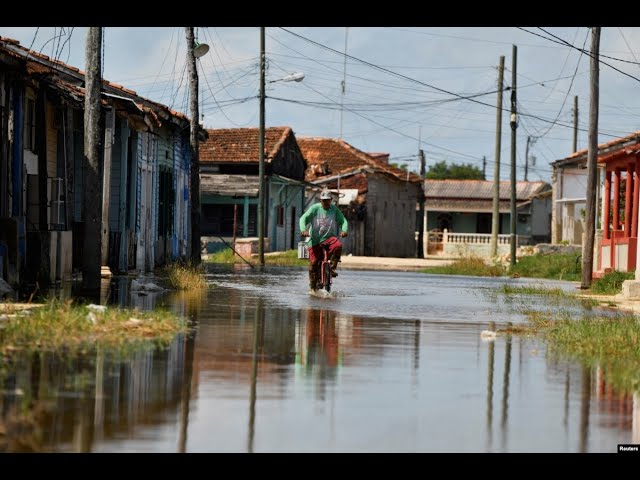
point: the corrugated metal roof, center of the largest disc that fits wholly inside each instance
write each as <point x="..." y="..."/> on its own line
<point x="229" y="185"/>
<point x="481" y="189"/>
<point x="462" y="205"/>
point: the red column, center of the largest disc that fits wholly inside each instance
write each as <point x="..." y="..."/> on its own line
<point x="607" y="204"/>
<point x="616" y="200"/>
<point x="627" y="202"/>
<point x="636" y="192"/>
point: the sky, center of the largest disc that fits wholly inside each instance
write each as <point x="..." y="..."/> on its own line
<point x="405" y="88"/>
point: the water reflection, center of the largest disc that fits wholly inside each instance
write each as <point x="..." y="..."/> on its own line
<point x="51" y="402"/>
<point x="272" y="370"/>
<point x="319" y="355"/>
<point x="258" y="331"/>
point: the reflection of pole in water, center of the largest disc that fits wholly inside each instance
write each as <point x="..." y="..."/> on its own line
<point x="492" y="327"/>
<point x="416" y="349"/>
<point x="567" y="385"/>
<point x="505" y="389"/>
<point x="189" y="348"/>
<point x="254" y="374"/>
<point x="98" y="416"/>
<point x="585" y="399"/>
<point x="635" y="419"/>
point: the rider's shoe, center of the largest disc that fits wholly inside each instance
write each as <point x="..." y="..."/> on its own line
<point x="313" y="281"/>
<point x="334" y="264"/>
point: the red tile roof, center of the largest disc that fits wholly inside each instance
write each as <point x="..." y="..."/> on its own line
<point x="34" y="66"/>
<point x="241" y="144"/>
<point x="339" y="157"/>
<point x="610" y="146"/>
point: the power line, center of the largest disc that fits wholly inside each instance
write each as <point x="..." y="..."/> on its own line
<point x="568" y="91"/>
<point x="376" y="67"/>
<point x="564" y="42"/>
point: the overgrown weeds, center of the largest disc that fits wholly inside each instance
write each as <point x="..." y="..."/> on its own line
<point x="185" y="276"/>
<point x="64" y="325"/>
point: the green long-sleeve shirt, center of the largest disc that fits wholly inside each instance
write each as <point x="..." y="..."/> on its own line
<point x="322" y="223"/>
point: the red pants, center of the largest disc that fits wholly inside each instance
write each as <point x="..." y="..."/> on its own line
<point x="316" y="255"/>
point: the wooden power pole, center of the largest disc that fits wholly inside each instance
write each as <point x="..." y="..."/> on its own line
<point x="592" y="161"/>
<point x="575" y="124"/>
<point x="526" y="159"/>
<point x="421" y="206"/>
<point x="514" y="126"/>
<point x="495" y="217"/>
<point x="195" y="159"/>
<point x="92" y="208"/>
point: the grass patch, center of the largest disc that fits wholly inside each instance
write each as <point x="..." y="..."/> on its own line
<point x="63" y="325"/>
<point x="471" y="265"/>
<point x="185" y="277"/>
<point x="611" y="283"/>
<point x="288" y="258"/>
<point x="533" y="290"/>
<point x="553" y="267"/>
<point x="226" y="255"/>
<point x="612" y="343"/>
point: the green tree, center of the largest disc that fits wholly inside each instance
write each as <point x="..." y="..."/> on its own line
<point x="402" y="166"/>
<point x="442" y="171"/>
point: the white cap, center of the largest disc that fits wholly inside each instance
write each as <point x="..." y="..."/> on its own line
<point x="325" y="195"/>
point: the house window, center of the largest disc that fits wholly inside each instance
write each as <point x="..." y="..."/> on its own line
<point x="30" y="126"/>
<point x="280" y="216"/>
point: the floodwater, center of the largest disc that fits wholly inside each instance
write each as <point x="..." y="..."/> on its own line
<point x="389" y="362"/>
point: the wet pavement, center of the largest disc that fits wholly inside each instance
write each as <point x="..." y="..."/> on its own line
<point x="390" y="362"/>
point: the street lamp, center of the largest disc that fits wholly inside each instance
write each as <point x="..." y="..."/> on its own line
<point x="294" y="77"/>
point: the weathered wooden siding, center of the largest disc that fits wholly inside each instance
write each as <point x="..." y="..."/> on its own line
<point x="289" y="162"/>
<point x="181" y="217"/>
<point x="391" y="218"/>
<point x="117" y="164"/>
<point x="52" y="142"/>
<point x="281" y="235"/>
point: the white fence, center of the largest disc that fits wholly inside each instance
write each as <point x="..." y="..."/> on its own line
<point x="482" y="238"/>
<point x="456" y="244"/>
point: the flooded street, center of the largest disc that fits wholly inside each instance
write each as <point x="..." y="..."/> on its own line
<point x="390" y="362"/>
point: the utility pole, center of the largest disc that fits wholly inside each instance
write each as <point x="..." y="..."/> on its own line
<point x="193" y="138"/>
<point x="261" y="155"/>
<point x="92" y="208"/>
<point x="526" y="159"/>
<point x="514" y="126"/>
<point x="575" y="124"/>
<point x="495" y="217"/>
<point x="484" y="167"/>
<point x="421" y="206"/>
<point x="344" y="77"/>
<point x="592" y="162"/>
